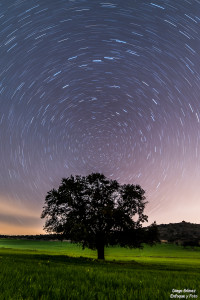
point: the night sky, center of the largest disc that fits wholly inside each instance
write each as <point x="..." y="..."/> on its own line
<point x="90" y="86"/>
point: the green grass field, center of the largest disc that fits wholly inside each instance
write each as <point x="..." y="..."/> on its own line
<point x="60" y="270"/>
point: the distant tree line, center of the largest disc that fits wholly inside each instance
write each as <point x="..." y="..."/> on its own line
<point x="46" y="237"/>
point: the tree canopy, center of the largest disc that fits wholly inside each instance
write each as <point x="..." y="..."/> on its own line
<point x="96" y="211"/>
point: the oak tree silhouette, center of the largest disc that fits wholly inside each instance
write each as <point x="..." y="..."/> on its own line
<point x="95" y="211"/>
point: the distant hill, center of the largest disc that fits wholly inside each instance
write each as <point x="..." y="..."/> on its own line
<point x="179" y="232"/>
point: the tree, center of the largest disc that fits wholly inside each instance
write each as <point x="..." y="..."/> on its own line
<point x="191" y="243"/>
<point x="96" y="211"/>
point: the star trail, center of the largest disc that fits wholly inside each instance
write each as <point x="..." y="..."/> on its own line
<point x="90" y="86"/>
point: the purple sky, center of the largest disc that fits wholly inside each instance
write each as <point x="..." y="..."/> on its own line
<point x="91" y="86"/>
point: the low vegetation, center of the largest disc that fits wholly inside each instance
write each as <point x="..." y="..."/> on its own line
<point x="60" y="270"/>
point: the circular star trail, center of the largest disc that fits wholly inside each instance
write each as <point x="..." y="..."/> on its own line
<point x="91" y="86"/>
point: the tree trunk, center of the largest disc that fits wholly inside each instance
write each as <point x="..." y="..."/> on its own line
<point x="100" y="242"/>
<point x="100" y="251"/>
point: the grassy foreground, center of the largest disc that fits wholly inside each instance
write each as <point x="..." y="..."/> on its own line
<point x="55" y="270"/>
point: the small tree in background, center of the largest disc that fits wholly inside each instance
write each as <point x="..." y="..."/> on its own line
<point x="95" y="211"/>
